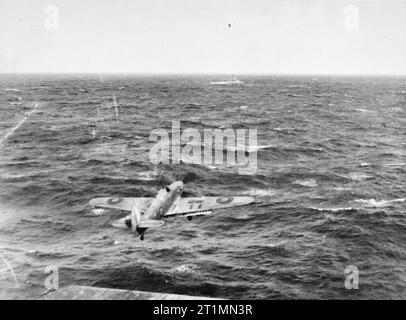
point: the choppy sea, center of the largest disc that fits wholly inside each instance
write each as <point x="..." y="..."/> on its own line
<point x="329" y="187"/>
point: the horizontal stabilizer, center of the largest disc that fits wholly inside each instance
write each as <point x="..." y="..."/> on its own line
<point x="150" y="223"/>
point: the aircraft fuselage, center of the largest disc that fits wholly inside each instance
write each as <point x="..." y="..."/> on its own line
<point x="164" y="201"/>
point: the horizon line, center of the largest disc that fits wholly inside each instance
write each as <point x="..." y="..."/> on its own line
<point x="212" y="74"/>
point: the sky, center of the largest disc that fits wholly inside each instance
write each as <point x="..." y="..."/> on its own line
<point x="358" y="37"/>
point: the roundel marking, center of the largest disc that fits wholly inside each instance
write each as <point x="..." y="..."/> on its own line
<point x="224" y="200"/>
<point x="114" y="200"/>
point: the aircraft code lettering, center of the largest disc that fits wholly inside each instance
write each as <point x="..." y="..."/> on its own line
<point x="195" y="201"/>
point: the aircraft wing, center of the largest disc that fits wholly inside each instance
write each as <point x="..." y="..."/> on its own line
<point x="119" y="203"/>
<point x="205" y="205"/>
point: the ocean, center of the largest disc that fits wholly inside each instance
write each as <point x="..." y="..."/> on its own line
<point x="329" y="186"/>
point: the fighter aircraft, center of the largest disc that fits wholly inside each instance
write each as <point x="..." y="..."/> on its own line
<point x="149" y="212"/>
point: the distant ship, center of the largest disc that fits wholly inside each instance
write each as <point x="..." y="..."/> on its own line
<point x="233" y="80"/>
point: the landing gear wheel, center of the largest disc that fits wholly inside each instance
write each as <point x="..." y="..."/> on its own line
<point x="142" y="237"/>
<point x="190" y="218"/>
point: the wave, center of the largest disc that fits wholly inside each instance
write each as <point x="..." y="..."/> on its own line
<point x="356" y="176"/>
<point x="192" y="104"/>
<point x="12" y="89"/>
<point x="211" y="167"/>
<point x="363" y="110"/>
<point x="247" y="149"/>
<point x="147" y="175"/>
<point x="372" y="203"/>
<point x="187" y="268"/>
<point x="337" y="209"/>
<point x="15" y="177"/>
<point x="341" y="188"/>
<point x="260" y="192"/>
<point x="98" y="212"/>
<point x="267" y="146"/>
<point x="306" y="183"/>
<point x="365" y="164"/>
<point x="242" y="217"/>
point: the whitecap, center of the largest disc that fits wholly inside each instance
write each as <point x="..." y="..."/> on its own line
<point x="267" y="146"/>
<point x="209" y="166"/>
<point x="242" y="217"/>
<point x="356" y="176"/>
<point x="147" y="175"/>
<point x="306" y="183"/>
<point x="334" y="209"/>
<point x="341" y="188"/>
<point x="98" y="212"/>
<point x="260" y="192"/>
<point x="187" y="268"/>
<point x="365" y="164"/>
<point x="362" y="110"/>
<point x="12" y="176"/>
<point x="249" y="149"/>
<point x="372" y="203"/>
<point x="276" y="244"/>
